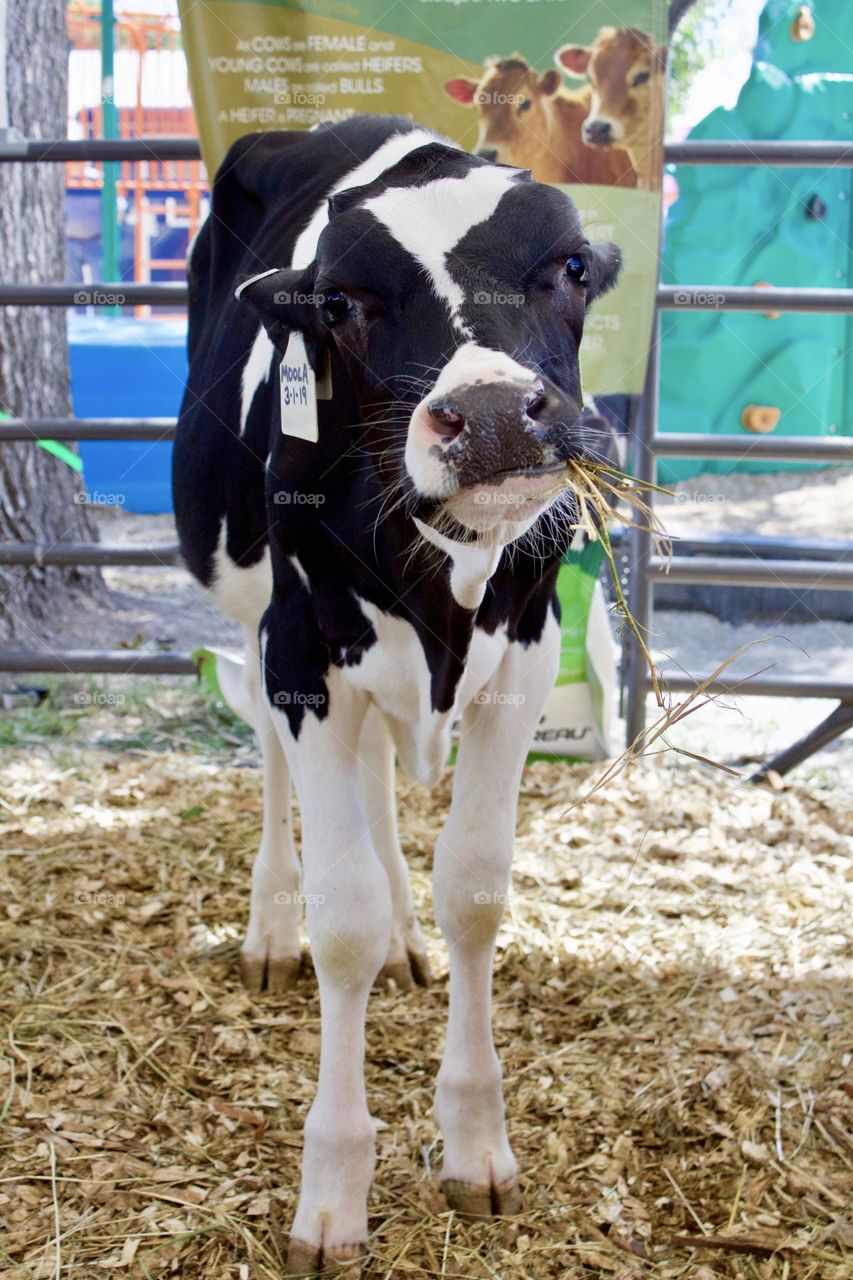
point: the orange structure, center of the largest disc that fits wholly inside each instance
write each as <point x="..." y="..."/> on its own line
<point x="173" y="189"/>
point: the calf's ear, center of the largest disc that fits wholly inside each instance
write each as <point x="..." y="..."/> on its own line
<point x="284" y="301"/>
<point x="461" y="91"/>
<point x="574" y="59"/>
<point x="605" y="265"/>
<point x="549" y="82"/>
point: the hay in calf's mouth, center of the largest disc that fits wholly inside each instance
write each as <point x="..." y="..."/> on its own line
<point x="670" y="1012"/>
<point x="604" y="496"/>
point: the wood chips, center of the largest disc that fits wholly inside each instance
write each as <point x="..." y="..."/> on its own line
<point x="670" y="1008"/>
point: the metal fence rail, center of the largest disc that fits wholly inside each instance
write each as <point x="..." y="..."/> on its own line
<point x="646" y="567"/>
<point x="705" y="297"/>
<point x="785" y="154"/>
<point x="30" y="553"/>
<point x="672" y="445"/>
<point x="111" y="293"/>
<point x="114" y="662"/>
<point x="769" y="448"/>
<point x="87" y="428"/>
<point x="809" y="574"/>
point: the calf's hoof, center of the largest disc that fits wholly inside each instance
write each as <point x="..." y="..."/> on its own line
<point x="262" y="973"/>
<point x="304" y="1259"/>
<point x="413" y="971"/>
<point x="472" y="1200"/>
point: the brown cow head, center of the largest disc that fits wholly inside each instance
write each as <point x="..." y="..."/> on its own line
<point x="626" y="71"/>
<point x="511" y="100"/>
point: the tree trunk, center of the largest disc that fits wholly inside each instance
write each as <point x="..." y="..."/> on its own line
<point x="39" y="494"/>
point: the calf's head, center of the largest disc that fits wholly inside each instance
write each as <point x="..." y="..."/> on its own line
<point x="512" y="103"/>
<point x="627" y="73"/>
<point x="452" y="292"/>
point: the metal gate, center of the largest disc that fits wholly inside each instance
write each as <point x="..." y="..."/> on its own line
<point x="645" y="567"/>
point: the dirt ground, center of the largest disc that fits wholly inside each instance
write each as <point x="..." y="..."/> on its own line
<point x="671" y="1011"/>
<point x="816" y="504"/>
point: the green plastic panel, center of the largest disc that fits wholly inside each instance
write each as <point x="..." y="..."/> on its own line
<point x="737" y="226"/>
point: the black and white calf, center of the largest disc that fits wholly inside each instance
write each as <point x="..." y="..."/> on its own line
<point x="392" y="556"/>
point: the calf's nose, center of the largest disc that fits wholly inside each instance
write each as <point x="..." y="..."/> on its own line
<point x="486" y="153"/>
<point x="445" y="418"/>
<point x="491" y="406"/>
<point x="598" y="132"/>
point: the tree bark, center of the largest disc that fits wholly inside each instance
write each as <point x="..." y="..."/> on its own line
<point x="39" y="494"/>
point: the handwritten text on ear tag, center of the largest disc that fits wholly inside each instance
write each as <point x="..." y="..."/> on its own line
<point x="298" y="390"/>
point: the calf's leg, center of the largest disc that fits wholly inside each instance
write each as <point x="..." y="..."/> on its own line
<point x="270" y="955"/>
<point x="473" y="858"/>
<point x="348" y="909"/>
<point x="406" y="962"/>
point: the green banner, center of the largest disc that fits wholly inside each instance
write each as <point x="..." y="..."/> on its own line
<point x="573" y="92"/>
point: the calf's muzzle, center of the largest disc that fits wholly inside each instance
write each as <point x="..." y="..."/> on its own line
<point x="598" y="133"/>
<point x="491" y="430"/>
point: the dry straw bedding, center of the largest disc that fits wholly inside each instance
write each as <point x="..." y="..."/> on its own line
<point x="669" y="1009"/>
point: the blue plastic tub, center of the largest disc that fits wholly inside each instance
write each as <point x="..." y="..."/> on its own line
<point x="127" y="368"/>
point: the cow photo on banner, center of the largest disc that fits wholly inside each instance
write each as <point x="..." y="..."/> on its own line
<point x="575" y="94"/>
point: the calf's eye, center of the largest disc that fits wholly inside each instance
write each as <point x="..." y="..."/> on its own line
<point x="576" y="268"/>
<point x="335" y="304"/>
<point x="524" y="105"/>
<point x="640" y="78"/>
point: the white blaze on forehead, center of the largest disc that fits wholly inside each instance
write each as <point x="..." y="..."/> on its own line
<point x="390" y="153"/>
<point x="617" y="129"/>
<point x="429" y="221"/>
<point x="472" y="363"/>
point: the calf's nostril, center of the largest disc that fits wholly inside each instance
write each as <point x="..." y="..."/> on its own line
<point x="536" y="403"/>
<point x="445" y="420"/>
